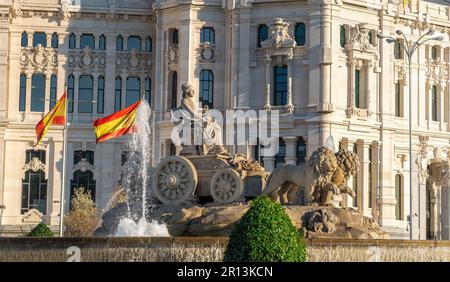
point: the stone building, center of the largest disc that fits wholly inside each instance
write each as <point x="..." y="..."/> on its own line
<point x="319" y="62"/>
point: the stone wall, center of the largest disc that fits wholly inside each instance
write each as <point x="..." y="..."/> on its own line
<point x="209" y="249"/>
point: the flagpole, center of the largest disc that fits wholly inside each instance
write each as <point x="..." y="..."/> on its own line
<point x="63" y="181"/>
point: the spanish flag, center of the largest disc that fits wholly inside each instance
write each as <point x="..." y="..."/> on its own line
<point x="56" y="116"/>
<point x="117" y="124"/>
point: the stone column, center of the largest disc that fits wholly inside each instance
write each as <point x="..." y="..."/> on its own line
<point x="369" y="68"/>
<point x="95" y="76"/>
<point x="124" y="90"/>
<point x="269" y="163"/>
<point x="351" y="81"/>
<point x="440" y="89"/>
<point x="268" y="80"/>
<point x="30" y="39"/>
<point x="290" y="105"/>
<point x="28" y="91"/>
<point x="47" y="93"/>
<point x="291" y="149"/>
<point x="429" y="96"/>
<point x="75" y="95"/>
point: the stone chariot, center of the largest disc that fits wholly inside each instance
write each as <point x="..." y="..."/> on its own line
<point x="177" y="179"/>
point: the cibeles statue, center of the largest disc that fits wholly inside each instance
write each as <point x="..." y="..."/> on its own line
<point x="197" y="132"/>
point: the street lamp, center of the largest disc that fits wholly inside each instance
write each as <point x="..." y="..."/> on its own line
<point x="409" y="48"/>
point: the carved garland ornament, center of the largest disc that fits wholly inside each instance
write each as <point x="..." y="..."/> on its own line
<point x="39" y="58"/>
<point x="35" y="165"/>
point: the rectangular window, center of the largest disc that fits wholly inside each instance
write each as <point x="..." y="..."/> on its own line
<point x="434" y="106"/>
<point x="280" y="86"/>
<point x="398" y="50"/>
<point x="280" y="156"/>
<point x="134" y="42"/>
<point x="118" y="95"/>
<point x="398" y="100"/>
<point x="175" y="36"/>
<point x="38" y="93"/>
<point x="100" y="95"/>
<point x="39" y="38"/>
<point x="87" y="40"/>
<point x="398" y="197"/>
<point x="85" y="94"/>
<point x="23" y="92"/>
<point x="357" y="89"/>
<point x="133" y="91"/>
<point x="53" y="85"/>
<point x="342" y="38"/>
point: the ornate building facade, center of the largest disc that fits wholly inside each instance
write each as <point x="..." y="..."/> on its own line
<point x="318" y="61"/>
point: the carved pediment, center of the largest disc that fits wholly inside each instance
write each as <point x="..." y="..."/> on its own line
<point x="279" y="35"/>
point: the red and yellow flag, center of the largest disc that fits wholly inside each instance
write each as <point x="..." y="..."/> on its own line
<point x="117" y="124"/>
<point x="56" y="116"/>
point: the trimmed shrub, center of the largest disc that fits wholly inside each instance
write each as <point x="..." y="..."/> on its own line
<point x="41" y="230"/>
<point x="82" y="220"/>
<point x="265" y="234"/>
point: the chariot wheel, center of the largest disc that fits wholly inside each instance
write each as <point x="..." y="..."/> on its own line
<point x="175" y="180"/>
<point x="226" y="186"/>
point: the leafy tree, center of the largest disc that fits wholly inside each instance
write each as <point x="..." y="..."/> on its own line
<point x="82" y="220"/>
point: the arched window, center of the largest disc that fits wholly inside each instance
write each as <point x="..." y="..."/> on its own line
<point x="70" y="92"/>
<point x="357" y="93"/>
<point x="399" y="197"/>
<point x="280" y="86"/>
<point x="434" y="106"/>
<point x="174" y="96"/>
<point x="342" y="38"/>
<point x="134" y="42"/>
<point x="39" y="38"/>
<point x="53" y="85"/>
<point x="83" y="179"/>
<point x="87" y="40"/>
<point x="72" y="41"/>
<point x="148" y="90"/>
<point x="300" y="34"/>
<point x="119" y="43"/>
<point x="133" y="91"/>
<point x="85" y="94"/>
<point x="207" y="35"/>
<point x="87" y="155"/>
<point x="55" y="41"/>
<point x="206" y="88"/>
<point x="37" y="93"/>
<point x="34" y="184"/>
<point x="101" y="95"/>
<point x="23" y="92"/>
<point x="102" y="42"/>
<point x="24" y="39"/>
<point x="148" y="44"/>
<point x="263" y="33"/>
<point x="118" y="94"/>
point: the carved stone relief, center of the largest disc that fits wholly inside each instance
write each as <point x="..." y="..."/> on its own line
<point x="39" y="59"/>
<point x="35" y="165"/>
<point x="279" y="35"/>
<point x="87" y="59"/>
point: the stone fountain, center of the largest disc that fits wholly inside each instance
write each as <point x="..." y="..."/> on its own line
<point x="311" y="193"/>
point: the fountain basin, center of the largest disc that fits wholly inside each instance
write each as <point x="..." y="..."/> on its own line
<point x="210" y="249"/>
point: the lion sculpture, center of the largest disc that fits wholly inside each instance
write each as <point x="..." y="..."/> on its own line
<point x="324" y="175"/>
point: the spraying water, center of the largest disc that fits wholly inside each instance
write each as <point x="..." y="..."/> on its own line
<point x="136" y="180"/>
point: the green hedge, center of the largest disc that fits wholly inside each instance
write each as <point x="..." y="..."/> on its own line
<point x="265" y="234"/>
<point x="41" y="230"/>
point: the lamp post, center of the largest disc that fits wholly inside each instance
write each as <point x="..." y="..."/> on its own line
<point x="409" y="48"/>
